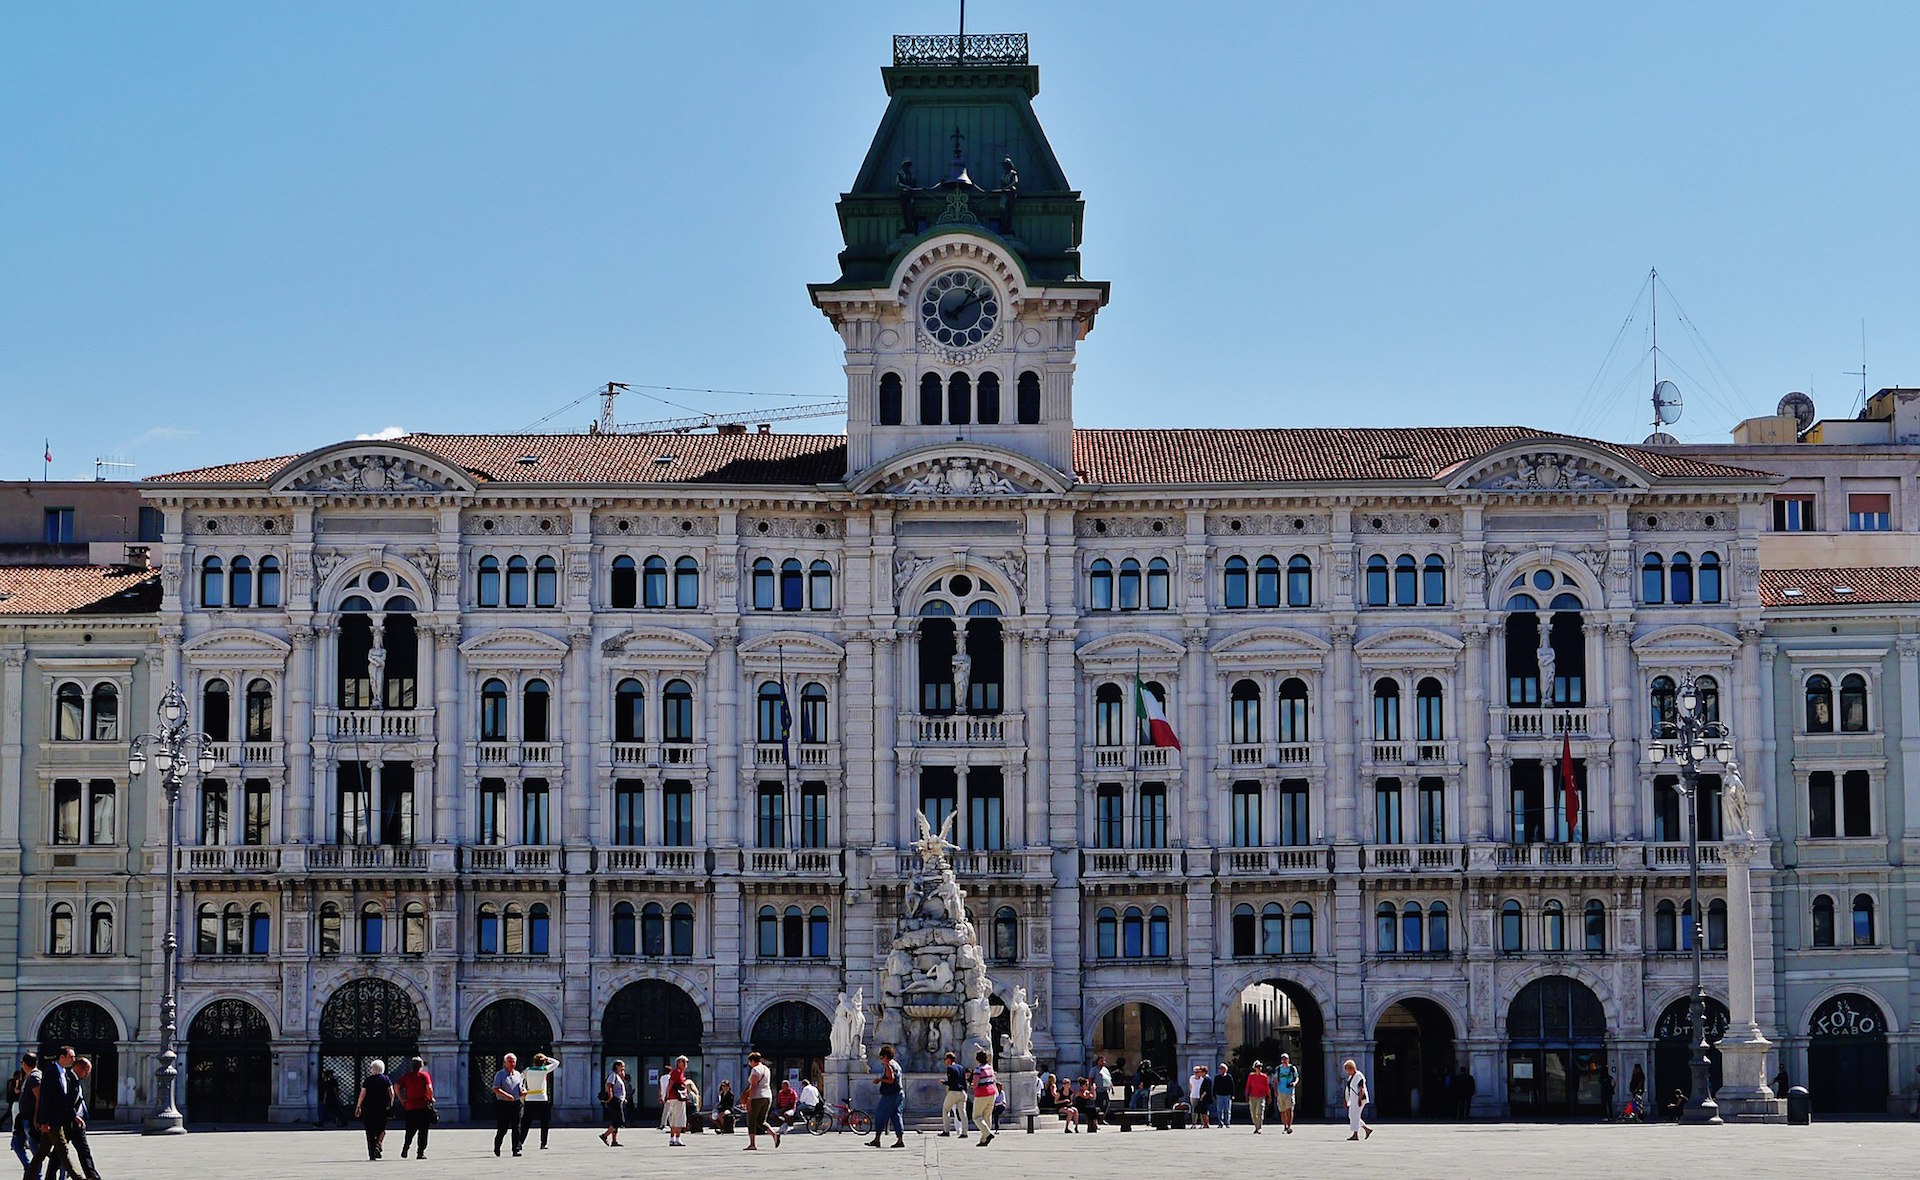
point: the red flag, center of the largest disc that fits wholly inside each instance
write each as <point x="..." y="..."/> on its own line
<point x="1567" y="786"/>
<point x="48" y="456"/>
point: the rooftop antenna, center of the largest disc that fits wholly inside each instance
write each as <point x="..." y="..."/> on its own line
<point x="100" y="466"/>
<point x="1666" y="395"/>
<point x="1861" y="372"/>
<point x="607" y="395"/>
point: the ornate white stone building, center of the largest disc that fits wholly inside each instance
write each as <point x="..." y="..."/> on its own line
<point x="611" y="745"/>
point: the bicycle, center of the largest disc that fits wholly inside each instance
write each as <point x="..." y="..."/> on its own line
<point x="839" y="1116"/>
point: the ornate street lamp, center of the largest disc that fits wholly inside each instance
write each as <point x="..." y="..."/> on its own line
<point x="175" y="751"/>
<point x="1689" y="739"/>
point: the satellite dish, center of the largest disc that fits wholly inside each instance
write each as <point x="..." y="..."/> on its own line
<point x="1660" y="438"/>
<point x="1800" y="406"/>
<point x="1666" y="403"/>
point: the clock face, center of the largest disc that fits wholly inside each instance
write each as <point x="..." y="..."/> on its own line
<point x="959" y="309"/>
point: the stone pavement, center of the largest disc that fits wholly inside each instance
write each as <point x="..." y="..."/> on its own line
<point x="1864" y="1149"/>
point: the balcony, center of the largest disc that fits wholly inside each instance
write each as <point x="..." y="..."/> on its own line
<point x="84" y="754"/>
<point x="246" y="859"/>
<point x="1154" y="759"/>
<point x="366" y="856"/>
<point x="516" y="754"/>
<point x="1672" y="857"/>
<point x="1133" y="862"/>
<point x="1406" y="858"/>
<point x="1553" y="856"/>
<point x="1546" y="724"/>
<point x="262" y="754"/>
<point x="963" y="730"/>
<point x="1388" y="753"/>
<point x="808" y="756"/>
<point x="377" y="724"/>
<point x="638" y="755"/>
<point x="1273" y="862"/>
<point x="496" y="858"/>
<point x="813" y="864"/>
<point x="1259" y="754"/>
<point x="674" y="862"/>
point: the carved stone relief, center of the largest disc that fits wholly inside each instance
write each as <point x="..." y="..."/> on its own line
<point x="630" y="524"/>
<point x="1127" y="526"/>
<point x="805" y="528"/>
<point x="233" y="524"/>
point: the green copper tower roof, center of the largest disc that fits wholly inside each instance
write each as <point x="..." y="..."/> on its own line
<point x="960" y="111"/>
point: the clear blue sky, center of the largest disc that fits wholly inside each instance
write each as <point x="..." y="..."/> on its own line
<point x="237" y="230"/>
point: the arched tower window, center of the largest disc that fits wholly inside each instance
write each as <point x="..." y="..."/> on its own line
<point x="988" y="399"/>
<point x="930" y="397"/>
<point x="1028" y="396"/>
<point x="890" y="399"/>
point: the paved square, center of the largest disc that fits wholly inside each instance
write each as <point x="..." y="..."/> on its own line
<point x="1319" y="1150"/>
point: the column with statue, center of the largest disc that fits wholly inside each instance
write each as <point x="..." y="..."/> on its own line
<point x="1745" y="1094"/>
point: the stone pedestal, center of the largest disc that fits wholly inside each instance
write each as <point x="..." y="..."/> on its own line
<point x="1745" y="1095"/>
<point x="1022" y="1079"/>
<point x="843" y="1074"/>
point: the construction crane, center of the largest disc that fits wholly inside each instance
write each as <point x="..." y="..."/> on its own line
<point x="711" y="421"/>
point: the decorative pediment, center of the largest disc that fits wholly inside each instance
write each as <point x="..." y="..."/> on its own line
<point x="1128" y="648"/>
<point x="1415" y="642"/>
<point x="661" y="643"/>
<point x="957" y="470"/>
<point x="1686" y="641"/>
<point x="515" y="647"/>
<point x="235" y="645"/>
<point x="1269" y="645"/>
<point x="799" y="650"/>
<point x="1545" y="465"/>
<point x="362" y="468"/>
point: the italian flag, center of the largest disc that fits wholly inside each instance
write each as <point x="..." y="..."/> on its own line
<point x="1154" y="727"/>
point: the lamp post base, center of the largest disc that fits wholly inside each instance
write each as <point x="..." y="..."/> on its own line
<point x="1747" y="1097"/>
<point x="167" y="1122"/>
<point x="1705" y="1113"/>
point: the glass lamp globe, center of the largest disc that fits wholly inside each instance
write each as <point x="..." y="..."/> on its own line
<point x="137" y="763"/>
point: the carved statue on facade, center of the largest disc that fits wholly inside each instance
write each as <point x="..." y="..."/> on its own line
<point x="1734" y="815"/>
<point x="1020" y="1024"/>
<point x="1545" y="657"/>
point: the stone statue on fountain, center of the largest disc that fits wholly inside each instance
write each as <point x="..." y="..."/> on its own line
<point x="934" y="990"/>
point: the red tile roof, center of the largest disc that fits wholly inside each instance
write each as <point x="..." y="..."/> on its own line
<point x="1303" y="455"/>
<point x="78" y="590"/>
<point x="1847" y="586"/>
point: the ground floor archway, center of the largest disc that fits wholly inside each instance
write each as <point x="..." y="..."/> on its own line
<point x="364" y="1020"/>
<point x="1673" y="1047"/>
<point x="1413" y="1060"/>
<point x="1556" y="1050"/>
<point x="793" y="1038"/>
<point x="502" y="1027"/>
<point x="647" y="1024"/>
<point x="1130" y="1034"/>
<point x="229" y="1064"/>
<point x="1279" y="1016"/>
<point x="1847" y="1056"/>
<point x="91" y="1030"/>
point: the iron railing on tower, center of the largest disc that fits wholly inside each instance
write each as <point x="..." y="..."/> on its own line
<point x="953" y="49"/>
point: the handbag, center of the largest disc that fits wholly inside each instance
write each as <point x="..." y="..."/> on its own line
<point x="432" y="1116"/>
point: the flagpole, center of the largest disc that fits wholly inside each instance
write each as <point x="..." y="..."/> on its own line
<point x="786" y="748"/>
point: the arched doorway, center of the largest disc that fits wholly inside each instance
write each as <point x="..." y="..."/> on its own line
<point x="793" y="1038"/>
<point x="91" y="1031"/>
<point x="229" y="1064"/>
<point x="647" y="1024"/>
<point x="503" y="1027"/>
<point x="1130" y="1034"/>
<point x="1556" y="1048"/>
<point x="363" y="1020"/>
<point x="1412" y="1060"/>
<point x="1673" y="1047"/>
<point x="1276" y="1017"/>
<point x="1847" y="1057"/>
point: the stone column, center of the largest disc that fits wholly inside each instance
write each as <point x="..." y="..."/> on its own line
<point x="577" y="728"/>
<point x="1626" y="724"/>
<point x="723" y="740"/>
<point x="447" y="726"/>
<point x="1476" y="806"/>
<point x="1744" y="1095"/>
<point x="1341" y="719"/>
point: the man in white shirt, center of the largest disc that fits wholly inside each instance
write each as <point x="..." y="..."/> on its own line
<point x="1356" y="1094"/>
<point x="809" y="1103"/>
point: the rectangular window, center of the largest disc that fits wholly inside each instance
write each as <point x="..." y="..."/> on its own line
<point x="1386" y="811"/>
<point x="676" y="814"/>
<point x="1869" y="513"/>
<point x="100" y="811"/>
<point x="1245" y="816"/>
<point x="1793" y="514"/>
<point x="396" y="803"/>
<point x="353" y="795"/>
<point x="213" y="813"/>
<point x="770" y="816"/>
<point x="59" y="526"/>
<point x="1666" y="810"/>
<point x="153" y="524"/>
<point x="1294" y="832"/>
<point x="66" y="811"/>
<point x="1856" y="803"/>
<point x="986" y="803"/>
<point x="1153" y="815"/>
<point x="1109" y="816"/>
<point x="1820" y="805"/>
<point x="258" y="828"/>
<point x="939" y="794"/>
<point x="1528" y="799"/>
<point x="1433" y="811"/>
<point x="492" y="825"/>
<point x="533" y="812"/>
<point x="814" y="832"/>
<point x="1706" y="815"/>
<point x="629" y="812"/>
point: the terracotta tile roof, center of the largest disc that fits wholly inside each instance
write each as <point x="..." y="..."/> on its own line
<point x="78" y="590"/>
<point x="1309" y="455"/>
<point x="1854" y="586"/>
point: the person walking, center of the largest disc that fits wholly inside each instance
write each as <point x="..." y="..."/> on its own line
<point x="28" y="1073"/>
<point x="540" y="1083"/>
<point x="1223" y="1093"/>
<point x="1199" y="1096"/>
<point x="891" y="1097"/>
<point x="675" y="1092"/>
<point x="509" y="1104"/>
<point x="1606" y="1092"/>
<point x="986" y="1087"/>
<point x="1102" y="1087"/>
<point x="1356" y="1097"/>
<point x="415" y="1091"/>
<point x="613" y="1096"/>
<point x="374" y="1105"/>
<point x="759" y="1098"/>
<point x="77" y="1129"/>
<point x="1463" y="1088"/>
<point x="1286" y="1084"/>
<point x="953" y="1105"/>
<point x="48" y="1102"/>
<point x="1259" y="1088"/>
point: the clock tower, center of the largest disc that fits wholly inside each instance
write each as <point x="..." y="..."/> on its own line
<point x="960" y="301"/>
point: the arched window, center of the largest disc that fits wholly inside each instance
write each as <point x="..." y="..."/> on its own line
<point x="989" y="399"/>
<point x="1433" y="580"/>
<point x="513" y="931"/>
<point x="1273" y="929"/>
<point x="1133" y="933"/>
<point x="1100" y="585"/>
<point x="1710" y="577"/>
<point x="1853" y="704"/>
<point x="1862" y="922"/>
<point x="70" y="712"/>
<point x="1819" y="704"/>
<point x="1299" y="580"/>
<point x="653" y="583"/>
<point x="1412" y="928"/>
<point x="1428" y="710"/>
<point x="517" y="581"/>
<point x="1243" y="929"/>
<point x="1439" y="936"/>
<point x="763" y="584"/>
<point x="814" y="721"/>
<point x="216" y="710"/>
<point x="212" y="582"/>
<point x="1707" y="692"/>
<point x="1686" y="925"/>
<point x="100" y="930"/>
<point x="1386" y="927"/>
<point x="536" y="712"/>
<point x="1302" y="932"/>
<point x="1512" y="937"/>
<point x="413" y="929"/>
<point x="1594" y="923"/>
<point x="60" y="929"/>
<point x="680" y="929"/>
<point x="820" y="586"/>
<point x="686" y="584"/>
<point x="1109" y="716"/>
<point x="624" y="592"/>
<point x="1680" y="579"/>
<point x="240" y="582"/>
<point x="1663" y="708"/>
<point x="793" y="933"/>
<point x="232" y="929"/>
<point x="890" y="399"/>
<point x="493" y="711"/>
<point x="1406" y="581"/>
<point x="1129" y="584"/>
<point x="1106" y="936"/>
<point x="269" y="581"/>
<point x="1236" y="583"/>
<point x="1244" y="713"/>
<point x="1823" y="921"/>
<point x="653" y="929"/>
<point x="1666" y="926"/>
<point x="767" y="932"/>
<point x="1028" y="395"/>
<point x="546" y="582"/>
<point x="487" y="582"/>
<point x="539" y="928"/>
<point x="206" y="929"/>
<point x="106" y="711"/>
<point x="1386" y="710"/>
<point x="1553" y="923"/>
<point x="1266" y="582"/>
<point x="676" y="712"/>
<point x="373" y="929"/>
<point x="959" y="399"/>
<point x="259" y="929"/>
<point x="930" y="397"/>
<point x="624" y="934"/>
<point x="1293" y="710"/>
<point x="792" y="585"/>
<point x="259" y="711"/>
<point x="330" y="928"/>
<point x="1376" y="580"/>
<point x="771" y="714"/>
<point x="1159" y="945"/>
<point x="629" y="712"/>
<point x="1653" y="580"/>
<point x="819" y="932"/>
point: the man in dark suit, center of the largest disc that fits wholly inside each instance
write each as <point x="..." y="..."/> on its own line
<point x="77" y="1129"/>
<point x="53" y="1114"/>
